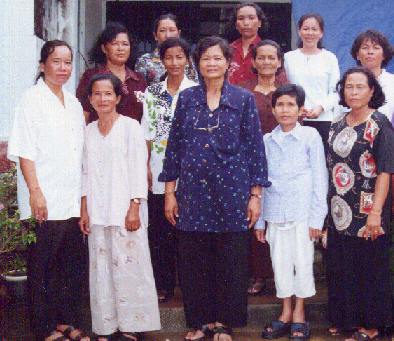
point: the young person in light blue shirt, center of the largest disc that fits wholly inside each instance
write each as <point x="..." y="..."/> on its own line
<point x="294" y="209"/>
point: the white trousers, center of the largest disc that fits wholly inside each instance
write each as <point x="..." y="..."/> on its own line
<point x="122" y="288"/>
<point x="292" y="254"/>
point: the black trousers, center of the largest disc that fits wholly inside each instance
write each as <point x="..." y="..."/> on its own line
<point x="56" y="268"/>
<point x="162" y="243"/>
<point x="358" y="280"/>
<point x="323" y="127"/>
<point x="213" y="269"/>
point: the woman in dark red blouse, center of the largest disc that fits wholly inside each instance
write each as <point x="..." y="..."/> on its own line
<point x="267" y="63"/>
<point x="111" y="54"/>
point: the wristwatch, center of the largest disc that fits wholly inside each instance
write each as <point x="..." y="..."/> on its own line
<point x="136" y="201"/>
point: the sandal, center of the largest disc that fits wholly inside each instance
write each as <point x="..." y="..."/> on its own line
<point x="68" y="331"/>
<point x="60" y="337"/>
<point x="256" y="288"/>
<point x="208" y="332"/>
<point x="361" y="336"/>
<point x="303" y="328"/>
<point x="278" y="329"/>
<point x="219" y="330"/>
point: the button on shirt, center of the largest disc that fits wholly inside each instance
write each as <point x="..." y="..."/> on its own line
<point x="217" y="156"/>
<point x="51" y="135"/>
<point x="159" y="107"/>
<point x="298" y="173"/>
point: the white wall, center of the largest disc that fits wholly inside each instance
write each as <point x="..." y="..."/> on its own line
<point x="18" y="56"/>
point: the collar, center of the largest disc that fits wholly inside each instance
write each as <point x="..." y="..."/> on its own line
<point x="186" y="83"/>
<point x="44" y="87"/>
<point x="237" y="44"/>
<point x="296" y="132"/>
<point x="227" y="97"/>
<point x="130" y="74"/>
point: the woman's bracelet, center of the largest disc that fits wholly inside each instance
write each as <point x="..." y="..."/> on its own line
<point x="376" y="212"/>
<point x="169" y="192"/>
<point x="255" y="195"/>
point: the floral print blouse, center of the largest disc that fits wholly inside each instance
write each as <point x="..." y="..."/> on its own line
<point x="150" y="65"/>
<point x="356" y="156"/>
<point x="216" y="156"/>
<point x="159" y="107"/>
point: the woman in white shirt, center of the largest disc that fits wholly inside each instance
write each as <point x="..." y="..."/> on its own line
<point x="317" y="71"/>
<point x="372" y="50"/>
<point x="114" y="215"/>
<point x="160" y="100"/>
<point x="46" y="143"/>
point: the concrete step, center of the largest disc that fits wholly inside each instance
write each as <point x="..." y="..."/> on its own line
<point x="261" y="310"/>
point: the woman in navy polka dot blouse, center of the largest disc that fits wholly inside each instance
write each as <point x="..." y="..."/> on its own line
<point x="216" y="152"/>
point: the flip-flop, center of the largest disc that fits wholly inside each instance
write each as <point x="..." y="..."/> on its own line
<point x="222" y="330"/>
<point x="361" y="336"/>
<point x="303" y="328"/>
<point x="278" y="329"/>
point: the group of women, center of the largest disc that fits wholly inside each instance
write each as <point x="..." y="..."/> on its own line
<point x="199" y="153"/>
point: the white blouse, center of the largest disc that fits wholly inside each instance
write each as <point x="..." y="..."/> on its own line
<point x="114" y="172"/>
<point x="386" y="81"/>
<point x="318" y="74"/>
<point x="51" y="135"/>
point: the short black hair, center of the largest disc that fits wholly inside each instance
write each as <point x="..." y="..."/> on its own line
<point x="174" y="42"/>
<point x="291" y="90"/>
<point x="111" y="30"/>
<point x="166" y="16"/>
<point x="116" y="82"/>
<point x="377" y="99"/>
<point x="377" y="38"/>
<point x="207" y="42"/>
<point x="259" y="12"/>
<point x="319" y="20"/>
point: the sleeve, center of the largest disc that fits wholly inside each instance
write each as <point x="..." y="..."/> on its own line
<point x="175" y="147"/>
<point x="140" y="67"/>
<point x="252" y="138"/>
<point x="384" y="148"/>
<point x="23" y="140"/>
<point x="137" y="158"/>
<point x="146" y="122"/>
<point x="82" y="91"/>
<point x="332" y="99"/>
<point x="318" y="207"/>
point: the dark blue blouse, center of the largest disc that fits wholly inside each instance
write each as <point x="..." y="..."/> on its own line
<point x="217" y="156"/>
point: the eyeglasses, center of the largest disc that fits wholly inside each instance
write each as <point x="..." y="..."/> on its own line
<point x="209" y="129"/>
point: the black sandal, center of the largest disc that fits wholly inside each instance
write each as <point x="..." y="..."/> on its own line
<point x="67" y="333"/>
<point x="303" y="328"/>
<point x="222" y="330"/>
<point x="361" y="336"/>
<point x="278" y="329"/>
<point x="60" y="338"/>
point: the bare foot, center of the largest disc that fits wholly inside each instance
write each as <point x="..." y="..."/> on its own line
<point x="194" y="335"/>
<point x="222" y="335"/>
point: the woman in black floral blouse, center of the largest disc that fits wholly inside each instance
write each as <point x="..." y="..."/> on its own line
<point x="360" y="160"/>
